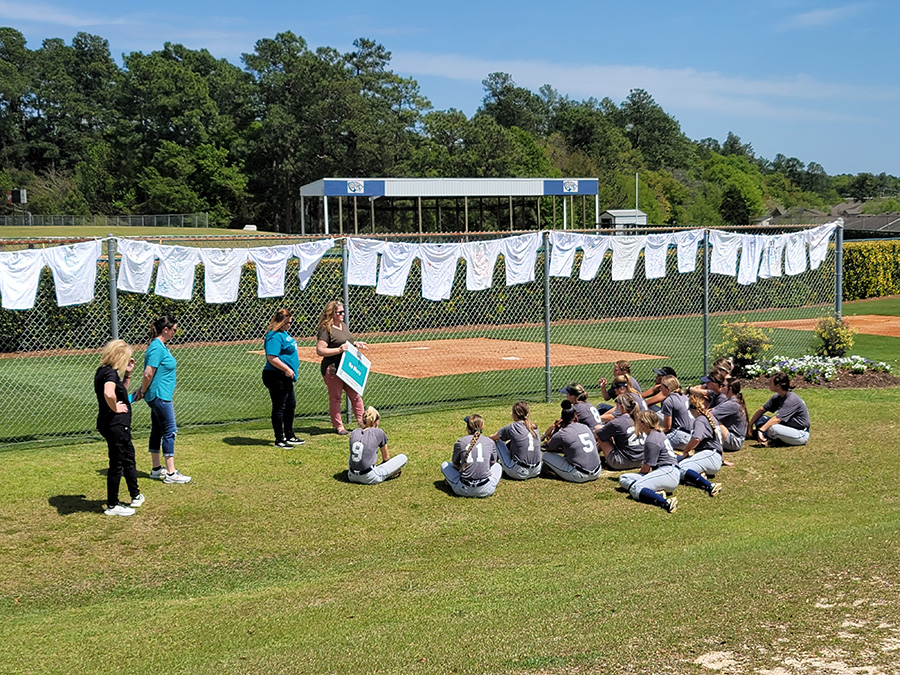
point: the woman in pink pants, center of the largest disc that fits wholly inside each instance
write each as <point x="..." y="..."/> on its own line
<point x="330" y="345"/>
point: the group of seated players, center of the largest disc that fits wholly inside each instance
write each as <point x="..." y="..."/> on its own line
<point x="660" y="437"/>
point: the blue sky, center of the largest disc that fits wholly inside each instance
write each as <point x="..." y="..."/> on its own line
<point x="815" y="80"/>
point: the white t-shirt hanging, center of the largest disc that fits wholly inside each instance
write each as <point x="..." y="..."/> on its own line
<point x="271" y="263"/>
<point x="222" y="273"/>
<point x="655" y="253"/>
<point x="74" y="271"/>
<point x="136" y="262"/>
<point x="438" y="269"/>
<point x="751" y="253"/>
<point x="520" y="255"/>
<point x="480" y="256"/>
<point x="725" y="247"/>
<point x="396" y="259"/>
<point x="818" y="243"/>
<point x="310" y="254"/>
<point x="175" y="275"/>
<point x="795" y="253"/>
<point x="625" y="252"/>
<point x="362" y="261"/>
<point x="772" y="251"/>
<point x="20" y="275"/>
<point x="687" y="243"/>
<point x="563" y="253"/>
<point x="595" y="247"/>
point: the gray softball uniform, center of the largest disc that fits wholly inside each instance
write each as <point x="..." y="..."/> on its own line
<point x="638" y="401"/>
<point x="519" y="451"/>
<point x="475" y="472"/>
<point x="587" y="414"/>
<point x="628" y="452"/>
<point x="579" y="461"/>
<point x="730" y="415"/>
<point x="794" y="415"/>
<point x="664" y="474"/>
<point x="364" y="447"/>
<point x="611" y="390"/>
<point x="707" y="457"/>
<point x="675" y="406"/>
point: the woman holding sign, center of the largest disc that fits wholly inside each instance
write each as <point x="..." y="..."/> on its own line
<point x="332" y="341"/>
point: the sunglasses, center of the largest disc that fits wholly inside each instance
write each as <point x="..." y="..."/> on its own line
<point x="620" y="384"/>
<point x="339" y="311"/>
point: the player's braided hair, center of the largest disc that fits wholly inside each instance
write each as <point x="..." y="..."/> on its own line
<point x="520" y="411"/>
<point x="699" y="404"/>
<point x="475" y="424"/>
<point x="735" y="386"/>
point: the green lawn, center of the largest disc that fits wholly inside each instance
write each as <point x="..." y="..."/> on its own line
<point x="269" y="562"/>
<point x="75" y="231"/>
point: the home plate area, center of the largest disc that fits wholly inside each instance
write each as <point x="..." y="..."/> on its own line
<point x="433" y="358"/>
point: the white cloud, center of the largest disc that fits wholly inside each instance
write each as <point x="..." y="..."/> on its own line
<point x="820" y="17"/>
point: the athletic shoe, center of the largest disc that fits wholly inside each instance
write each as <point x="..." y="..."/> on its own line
<point x="137" y="501"/>
<point x="671" y="504"/>
<point x="342" y="432"/>
<point x="176" y="478"/>
<point x="394" y="475"/>
<point x="159" y="473"/>
<point x="293" y="440"/>
<point x="661" y="493"/>
<point x="714" y="489"/>
<point x="120" y="510"/>
<point x="283" y="445"/>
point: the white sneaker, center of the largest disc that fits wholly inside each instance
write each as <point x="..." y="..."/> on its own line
<point x="159" y="473"/>
<point x="176" y="478"/>
<point x="137" y="501"/>
<point x="120" y="510"/>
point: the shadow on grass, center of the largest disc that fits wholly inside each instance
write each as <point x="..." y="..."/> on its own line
<point x="68" y="504"/>
<point x="341" y="477"/>
<point x="444" y="487"/>
<point x="245" y="441"/>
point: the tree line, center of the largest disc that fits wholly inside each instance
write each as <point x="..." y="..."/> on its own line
<point x="180" y="131"/>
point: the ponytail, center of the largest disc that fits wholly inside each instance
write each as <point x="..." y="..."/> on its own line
<point x="699" y="404"/>
<point x="156" y="328"/>
<point x="735" y="386"/>
<point x="474" y="423"/>
<point x="521" y="410"/>
<point x="370" y="417"/>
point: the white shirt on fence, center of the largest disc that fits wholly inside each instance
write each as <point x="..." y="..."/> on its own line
<point x="74" y="271"/>
<point x="20" y="274"/>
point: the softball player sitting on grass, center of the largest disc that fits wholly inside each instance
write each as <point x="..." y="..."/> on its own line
<point x="578" y="397"/>
<point x="579" y="461"/>
<point x="622" y="386"/>
<point x="620" y="447"/>
<point x="473" y="470"/>
<point x="703" y="453"/>
<point x="790" y="422"/>
<point x="621" y="367"/>
<point x="677" y="422"/>
<point x="659" y="472"/>
<point x="653" y="397"/>
<point x="519" y="445"/>
<point x="365" y="441"/>
<point x="732" y="414"/>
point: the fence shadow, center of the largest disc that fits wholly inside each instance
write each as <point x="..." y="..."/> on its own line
<point x="245" y="440"/>
<point x="68" y="504"/>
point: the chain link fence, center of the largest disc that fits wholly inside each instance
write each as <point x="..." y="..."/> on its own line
<point x="152" y="220"/>
<point x="500" y="344"/>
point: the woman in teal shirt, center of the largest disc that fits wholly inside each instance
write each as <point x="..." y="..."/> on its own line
<point x="158" y="388"/>
<point x="279" y="375"/>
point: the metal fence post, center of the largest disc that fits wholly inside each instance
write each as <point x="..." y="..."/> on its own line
<point x="546" y="317"/>
<point x="706" y="301"/>
<point x="113" y="298"/>
<point x="345" y="259"/>
<point x="839" y="271"/>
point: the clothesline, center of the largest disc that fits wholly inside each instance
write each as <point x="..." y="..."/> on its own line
<point x="74" y="266"/>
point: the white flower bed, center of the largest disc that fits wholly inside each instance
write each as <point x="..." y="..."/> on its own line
<point x="816" y="368"/>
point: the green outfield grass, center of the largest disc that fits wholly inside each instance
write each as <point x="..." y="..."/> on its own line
<point x="269" y="562"/>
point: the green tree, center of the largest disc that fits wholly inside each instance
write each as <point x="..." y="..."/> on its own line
<point x="657" y="135"/>
<point x="514" y="106"/>
<point x="734" y="208"/>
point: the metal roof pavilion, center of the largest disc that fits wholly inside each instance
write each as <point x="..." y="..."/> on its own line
<point x="432" y="188"/>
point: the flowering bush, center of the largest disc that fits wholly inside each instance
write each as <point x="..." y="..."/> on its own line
<point x="834" y="336"/>
<point x="744" y="344"/>
<point x="816" y="368"/>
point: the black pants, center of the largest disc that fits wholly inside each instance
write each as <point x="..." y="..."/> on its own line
<point x="121" y="461"/>
<point x="281" y="391"/>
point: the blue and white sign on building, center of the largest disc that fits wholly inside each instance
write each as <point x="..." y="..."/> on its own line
<point x="354" y="369"/>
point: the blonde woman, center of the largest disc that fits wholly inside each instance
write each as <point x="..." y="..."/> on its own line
<point x="659" y="472"/>
<point x="519" y="444"/>
<point x="365" y="442"/>
<point x="703" y="454"/>
<point x="114" y="423"/>
<point x="331" y="343"/>
<point x="473" y="470"/>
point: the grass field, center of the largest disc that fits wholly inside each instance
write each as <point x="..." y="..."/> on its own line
<point x="269" y="562"/>
<point x="17" y="232"/>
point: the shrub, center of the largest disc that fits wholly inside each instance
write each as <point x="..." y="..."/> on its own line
<point x="834" y="336"/>
<point x="744" y="344"/>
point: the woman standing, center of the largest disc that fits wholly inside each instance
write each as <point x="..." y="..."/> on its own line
<point x="114" y="424"/>
<point x="331" y="343"/>
<point x="659" y="472"/>
<point x="158" y="388"/>
<point x="473" y="470"/>
<point x="365" y="442"/>
<point x="519" y="445"/>
<point x="279" y="375"/>
<point x="788" y="422"/>
<point x="579" y="461"/>
<point x="703" y="453"/>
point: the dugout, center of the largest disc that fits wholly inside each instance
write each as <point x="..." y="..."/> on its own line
<point x="420" y="205"/>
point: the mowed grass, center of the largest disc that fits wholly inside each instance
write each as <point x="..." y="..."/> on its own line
<point x="269" y="562"/>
